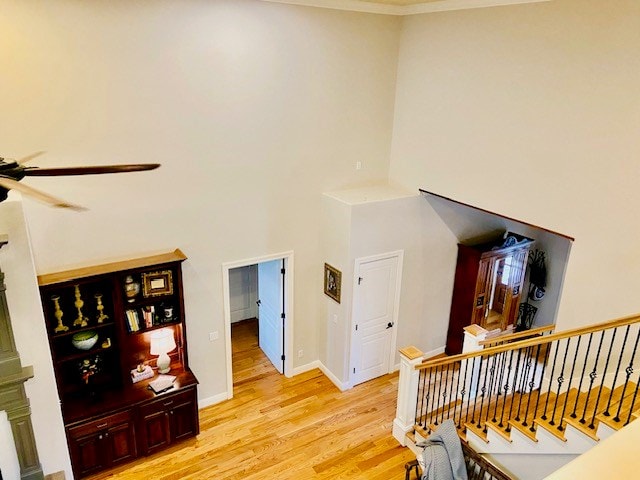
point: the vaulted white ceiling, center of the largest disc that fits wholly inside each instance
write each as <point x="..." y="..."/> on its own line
<point x="403" y="7"/>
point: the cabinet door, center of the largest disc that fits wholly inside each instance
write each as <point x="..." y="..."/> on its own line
<point x="155" y="434"/>
<point x="170" y="418"/>
<point x="101" y="443"/>
<point x="483" y="291"/>
<point x="87" y="454"/>
<point x="516" y="285"/>
<point x="184" y="417"/>
<point x="122" y="443"/>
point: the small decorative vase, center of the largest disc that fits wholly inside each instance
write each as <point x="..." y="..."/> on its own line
<point x="100" y="307"/>
<point x="58" y="314"/>
<point x="81" y="320"/>
<point x="131" y="288"/>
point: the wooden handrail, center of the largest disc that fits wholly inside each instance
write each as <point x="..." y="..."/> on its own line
<point x="621" y="322"/>
<point x="515" y="336"/>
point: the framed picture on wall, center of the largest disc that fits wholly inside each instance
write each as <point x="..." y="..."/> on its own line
<point x="332" y="282"/>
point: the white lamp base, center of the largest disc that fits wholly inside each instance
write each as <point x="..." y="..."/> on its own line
<point x="164" y="363"/>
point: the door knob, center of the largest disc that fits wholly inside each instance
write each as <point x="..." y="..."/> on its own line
<point x="389" y="325"/>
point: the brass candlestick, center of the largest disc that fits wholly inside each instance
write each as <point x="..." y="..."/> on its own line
<point x="100" y="307"/>
<point x="81" y="320"/>
<point x="58" y="314"/>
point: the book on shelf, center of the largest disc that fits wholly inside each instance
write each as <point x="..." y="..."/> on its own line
<point x="147" y="315"/>
<point x="133" y="323"/>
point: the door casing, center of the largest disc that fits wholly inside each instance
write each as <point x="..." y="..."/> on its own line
<point x="399" y="255"/>
<point x="288" y="304"/>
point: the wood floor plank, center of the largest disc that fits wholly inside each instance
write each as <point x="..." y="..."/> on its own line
<point x="284" y="428"/>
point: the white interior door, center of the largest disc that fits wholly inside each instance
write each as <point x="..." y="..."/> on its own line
<point x="271" y="310"/>
<point x="375" y="305"/>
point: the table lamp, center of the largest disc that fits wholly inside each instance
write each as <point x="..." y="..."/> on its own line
<point x="162" y="342"/>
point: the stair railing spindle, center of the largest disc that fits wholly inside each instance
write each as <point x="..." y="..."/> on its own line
<point x="519" y="381"/>
<point x="506" y="390"/>
<point x="458" y="393"/>
<point x="592" y="376"/>
<point x="483" y="390"/>
<point x="633" y="402"/>
<point x="592" y="425"/>
<point x="553" y="367"/>
<point x="628" y="371"/>
<point x="566" y="398"/>
<point x="420" y="404"/>
<point x="498" y="383"/>
<point x="437" y="398"/>
<point x="542" y="370"/>
<point x="434" y="399"/>
<point x="560" y="382"/>
<point x="450" y="399"/>
<point x="461" y="393"/>
<point x="492" y="380"/>
<point x="615" y="377"/>
<point x="473" y="369"/>
<point x="584" y="368"/>
<point x="444" y="395"/>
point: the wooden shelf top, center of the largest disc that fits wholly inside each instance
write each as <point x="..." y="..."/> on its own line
<point x="82" y="272"/>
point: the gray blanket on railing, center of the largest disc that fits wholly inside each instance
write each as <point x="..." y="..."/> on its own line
<point x="442" y="457"/>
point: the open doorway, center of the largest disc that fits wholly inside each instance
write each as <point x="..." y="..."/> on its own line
<point x="258" y="295"/>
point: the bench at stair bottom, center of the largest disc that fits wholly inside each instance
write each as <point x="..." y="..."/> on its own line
<point x="477" y="466"/>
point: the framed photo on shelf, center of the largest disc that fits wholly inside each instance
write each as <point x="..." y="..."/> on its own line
<point x="332" y="282"/>
<point x="157" y="283"/>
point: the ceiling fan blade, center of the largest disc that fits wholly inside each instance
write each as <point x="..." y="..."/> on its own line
<point x="28" y="158"/>
<point x="94" y="170"/>
<point x="11" y="184"/>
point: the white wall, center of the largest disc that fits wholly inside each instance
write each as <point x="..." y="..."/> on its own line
<point x="253" y="109"/>
<point x="243" y="293"/>
<point x="375" y="220"/>
<point x="533" y="111"/>
<point x="23" y="300"/>
<point x="409" y="224"/>
<point x="333" y="324"/>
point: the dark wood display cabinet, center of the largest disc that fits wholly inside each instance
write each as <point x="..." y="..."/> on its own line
<point x="487" y="286"/>
<point x="104" y="323"/>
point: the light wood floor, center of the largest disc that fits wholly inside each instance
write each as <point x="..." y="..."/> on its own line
<point x="284" y="428"/>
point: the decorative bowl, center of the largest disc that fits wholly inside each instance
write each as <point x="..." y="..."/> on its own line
<point x="85" y="340"/>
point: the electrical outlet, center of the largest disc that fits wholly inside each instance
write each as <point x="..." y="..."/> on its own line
<point x="213" y="336"/>
<point x="300" y="353"/>
<point x="358" y="165"/>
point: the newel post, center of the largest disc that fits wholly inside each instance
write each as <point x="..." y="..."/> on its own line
<point x="407" y="393"/>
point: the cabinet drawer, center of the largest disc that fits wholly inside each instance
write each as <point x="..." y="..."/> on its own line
<point x="168" y="401"/>
<point x="103" y="423"/>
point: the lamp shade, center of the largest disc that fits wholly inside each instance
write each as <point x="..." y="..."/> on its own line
<point x="162" y="341"/>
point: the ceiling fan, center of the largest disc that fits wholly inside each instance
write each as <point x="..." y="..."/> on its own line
<point x="12" y="171"/>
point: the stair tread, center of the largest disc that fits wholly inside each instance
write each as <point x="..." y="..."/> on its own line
<point x="499" y="430"/>
<point x="477" y="430"/>
<point x="584" y="427"/>
<point x="524" y="430"/>
<point x="552" y="429"/>
<point x="620" y="408"/>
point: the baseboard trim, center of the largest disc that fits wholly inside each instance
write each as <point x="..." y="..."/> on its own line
<point x="306" y="367"/>
<point x="207" y="402"/>
<point x="221" y="397"/>
<point x="329" y="374"/>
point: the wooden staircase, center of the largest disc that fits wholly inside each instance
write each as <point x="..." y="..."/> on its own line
<point x="561" y="393"/>
<point x="544" y="417"/>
